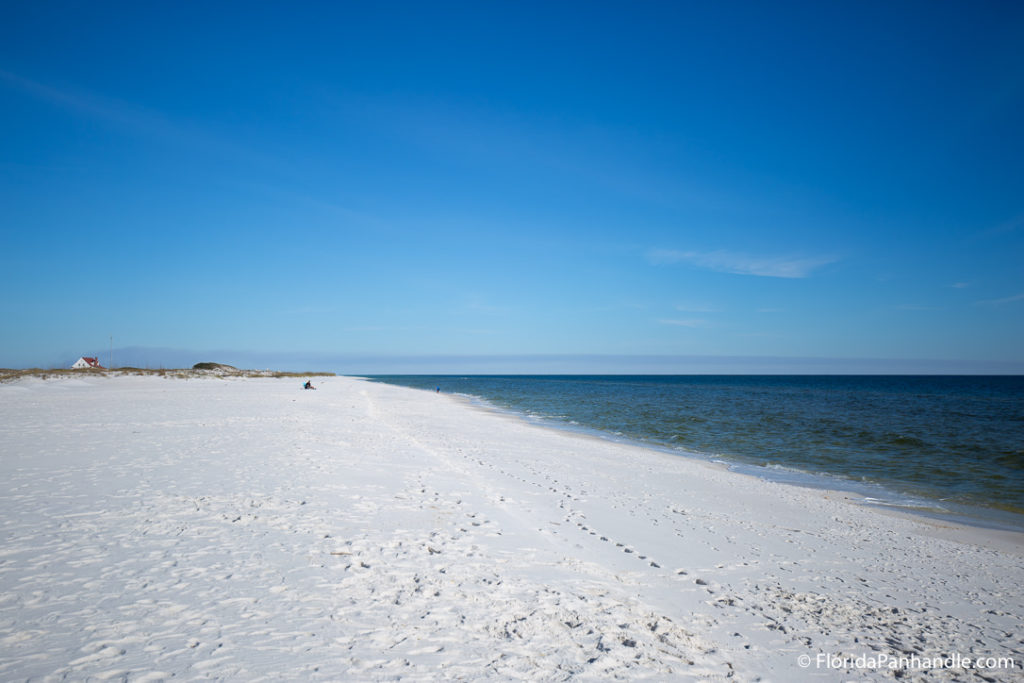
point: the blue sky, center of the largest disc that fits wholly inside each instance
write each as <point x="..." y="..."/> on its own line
<point x="515" y="186"/>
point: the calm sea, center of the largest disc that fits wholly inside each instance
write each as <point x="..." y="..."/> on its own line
<point x="939" y="445"/>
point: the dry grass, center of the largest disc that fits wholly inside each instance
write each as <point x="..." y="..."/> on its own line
<point x="8" y="375"/>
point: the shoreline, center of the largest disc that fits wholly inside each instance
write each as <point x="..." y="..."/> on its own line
<point x="869" y="494"/>
<point x="949" y="526"/>
<point x="251" y="530"/>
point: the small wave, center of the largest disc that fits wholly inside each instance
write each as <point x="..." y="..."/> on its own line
<point x="903" y="440"/>
<point x="1011" y="459"/>
<point x="918" y="504"/>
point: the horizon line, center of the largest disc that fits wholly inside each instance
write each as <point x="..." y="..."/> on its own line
<point x="354" y="363"/>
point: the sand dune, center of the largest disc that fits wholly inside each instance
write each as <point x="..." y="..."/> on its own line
<point x="244" y="529"/>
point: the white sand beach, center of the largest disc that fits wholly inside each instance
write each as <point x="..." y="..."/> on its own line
<point x="244" y="529"/>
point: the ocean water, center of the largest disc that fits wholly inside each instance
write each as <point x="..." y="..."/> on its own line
<point x="951" y="446"/>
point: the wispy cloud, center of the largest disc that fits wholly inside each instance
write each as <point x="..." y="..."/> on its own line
<point x="476" y="304"/>
<point x="383" y="328"/>
<point x="1002" y="302"/>
<point x="310" y="310"/>
<point x="960" y="285"/>
<point x="693" y="323"/>
<point x="125" y="116"/>
<point x="1006" y="227"/>
<point x="697" y="308"/>
<point x="916" y="307"/>
<point x="723" y="261"/>
<point x="131" y="118"/>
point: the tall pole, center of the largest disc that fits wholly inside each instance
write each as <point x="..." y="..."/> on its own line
<point x="111" y="361"/>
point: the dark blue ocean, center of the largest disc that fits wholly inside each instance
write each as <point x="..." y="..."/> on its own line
<point x="939" y="445"/>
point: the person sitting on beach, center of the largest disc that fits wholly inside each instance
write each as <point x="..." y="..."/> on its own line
<point x="308" y="385"/>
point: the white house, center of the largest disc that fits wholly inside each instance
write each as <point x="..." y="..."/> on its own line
<point x="86" y="362"/>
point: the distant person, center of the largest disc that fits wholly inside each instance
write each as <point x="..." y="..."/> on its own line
<point x="439" y="390"/>
<point x="308" y="385"/>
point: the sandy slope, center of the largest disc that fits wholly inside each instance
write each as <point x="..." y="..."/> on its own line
<point x="245" y="529"/>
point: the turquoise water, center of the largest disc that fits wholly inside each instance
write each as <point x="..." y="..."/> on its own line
<point x="945" y="444"/>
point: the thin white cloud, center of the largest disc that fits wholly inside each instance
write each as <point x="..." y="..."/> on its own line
<point x="960" y="285"/>
<point x="476" y="304"/>
<point x="762" y="335"/>
<point x="697" y="308"/>
<point x="383" y="328"/>
<point x="1005" y="300"/>
<point x="131" y="118"/>
<point x="723" y="261"/>
<point x="692" y="323"/>
<point x="916" y="307"/>
<point x="1006" y="227"/>
<point x="310" y="310"/>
